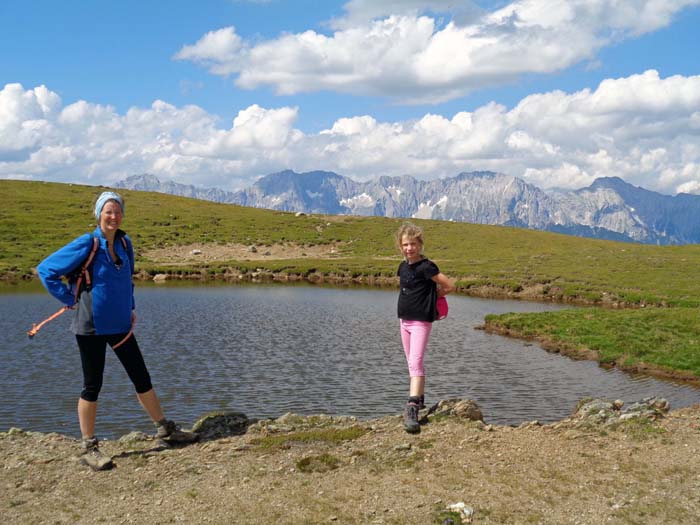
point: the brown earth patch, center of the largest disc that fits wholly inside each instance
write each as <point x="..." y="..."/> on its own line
<point x="207" y="253"/>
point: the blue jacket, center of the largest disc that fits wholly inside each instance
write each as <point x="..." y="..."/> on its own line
<point x="106" y="308"/>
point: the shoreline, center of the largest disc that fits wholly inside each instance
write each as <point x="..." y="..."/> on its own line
<point x="535" y="293"/>
<point x="586" y="354"/>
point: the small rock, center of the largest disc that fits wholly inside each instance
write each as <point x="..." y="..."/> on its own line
<point x="131" y="437"/>
<point x="466" y="513"/>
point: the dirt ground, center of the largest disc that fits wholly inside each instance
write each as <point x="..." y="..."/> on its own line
<point x="562" y="473"/>
<point x="207" y="253"/>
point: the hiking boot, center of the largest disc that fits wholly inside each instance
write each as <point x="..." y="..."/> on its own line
<point x="169" y="432"/>
<point x="421" y="403"/>
<point x="410" y="418"/>
<point x="92" y="457"/>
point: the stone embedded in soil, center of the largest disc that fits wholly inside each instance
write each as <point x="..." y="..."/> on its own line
<point x="218" y="425"/>
<point x="602" y="411"/>
<point x="462" y="408"/>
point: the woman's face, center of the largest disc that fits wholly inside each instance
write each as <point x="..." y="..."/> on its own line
<point x="110" y="217"/>
<point x="410" y="248"/>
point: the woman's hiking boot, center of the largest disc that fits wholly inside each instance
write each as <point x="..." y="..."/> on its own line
<point x="410" y="418"/>
<point x="169" y="432"/>
<point x="92" y="457"/>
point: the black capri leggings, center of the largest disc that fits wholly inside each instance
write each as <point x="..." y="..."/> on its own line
<point x="93" y="349"/>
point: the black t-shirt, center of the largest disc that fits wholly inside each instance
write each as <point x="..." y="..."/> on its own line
<point x="418" y="292"/>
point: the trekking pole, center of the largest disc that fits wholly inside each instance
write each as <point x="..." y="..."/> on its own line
<point x="36" y="327"/>
<point x="84" y="274"/>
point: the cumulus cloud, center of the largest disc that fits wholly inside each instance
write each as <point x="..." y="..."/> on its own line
<point x="411" y="56"/>
<point x="219" y="50"/>
<point x="642" y="128"/>
<point x="25" y="116"/>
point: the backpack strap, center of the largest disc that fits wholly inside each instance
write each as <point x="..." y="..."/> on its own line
<point x="85" y="269"/>
<point x="129" y="251"/>
<point x="84" y="272"/>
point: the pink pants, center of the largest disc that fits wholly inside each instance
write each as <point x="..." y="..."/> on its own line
<point x="414" y="337"/>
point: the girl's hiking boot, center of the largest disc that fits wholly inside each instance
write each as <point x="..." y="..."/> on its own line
<point x="410" y="418"/>
<point x="92" y="457"/>
<point x="171" y="433"/>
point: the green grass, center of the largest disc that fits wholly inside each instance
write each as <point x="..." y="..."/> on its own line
<point x="36" y="218"/>
<point x="665" y="337"/>
<point x="320" y="463"/>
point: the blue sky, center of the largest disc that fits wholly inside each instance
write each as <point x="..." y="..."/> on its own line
<point x="218" y="93"/>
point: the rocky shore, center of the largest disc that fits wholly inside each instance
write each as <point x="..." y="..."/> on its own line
<point x="607" y="463"/>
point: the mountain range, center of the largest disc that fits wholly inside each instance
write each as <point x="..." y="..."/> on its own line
<point x="609" y="208"/>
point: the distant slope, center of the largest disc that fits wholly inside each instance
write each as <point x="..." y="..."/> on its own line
<point x="608" y="209"/>
<point x="36" y="218"/>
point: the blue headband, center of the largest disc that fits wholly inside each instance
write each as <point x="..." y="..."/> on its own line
<point x="102" y="200"/>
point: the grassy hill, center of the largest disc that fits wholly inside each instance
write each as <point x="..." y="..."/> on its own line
<point x="37" y="218"/>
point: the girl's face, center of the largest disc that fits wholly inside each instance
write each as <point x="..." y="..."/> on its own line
<point x="110" y="217"/>
<point x="411" y="248"/>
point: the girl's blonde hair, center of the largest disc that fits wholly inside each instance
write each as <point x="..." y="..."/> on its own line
<point x="411" y="231"/>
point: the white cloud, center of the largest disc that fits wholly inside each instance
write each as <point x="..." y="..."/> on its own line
<point x="642" y="128"/>
<point x="219" y="50"/>
<point x="408" y="55"/>
<point x="24" y="119"/>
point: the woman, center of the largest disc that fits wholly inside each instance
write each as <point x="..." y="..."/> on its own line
<point x="421" y="284"/>
<point x="104" y="315"/>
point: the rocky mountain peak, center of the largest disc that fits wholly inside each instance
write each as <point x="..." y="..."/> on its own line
<point x="610" y="208"/>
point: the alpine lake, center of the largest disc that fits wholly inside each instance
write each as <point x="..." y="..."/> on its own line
<point x="266" y="350"/>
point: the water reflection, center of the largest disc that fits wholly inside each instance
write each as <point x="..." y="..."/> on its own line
<point x="266" y="350"/>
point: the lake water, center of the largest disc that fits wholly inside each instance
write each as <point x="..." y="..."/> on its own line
<point x="266" y="350"/>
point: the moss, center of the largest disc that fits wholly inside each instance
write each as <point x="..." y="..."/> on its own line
<point x="320" y="463"/>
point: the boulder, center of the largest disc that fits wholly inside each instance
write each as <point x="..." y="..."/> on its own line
<point x="601" y="411"/>
<point x="462" y="408"/>
<point x="134" y="436"/>
<point x="216" y="425"/>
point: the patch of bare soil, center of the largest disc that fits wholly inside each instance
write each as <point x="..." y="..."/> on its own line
<point x="206" y="253"/>
<point x="553" y="474"/>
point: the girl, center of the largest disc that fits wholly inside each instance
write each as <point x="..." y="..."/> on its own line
<point x="421" y="284"/>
